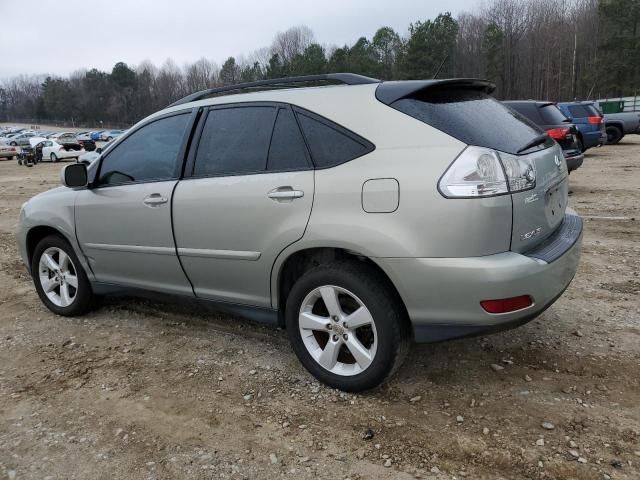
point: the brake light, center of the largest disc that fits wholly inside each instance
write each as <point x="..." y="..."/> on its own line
<point x="595" y="120"/>
<point x="558" y="133"/>
<point x="506" y="305"/>
<point x="482" y="172"/>
<point x="60" y="149"/>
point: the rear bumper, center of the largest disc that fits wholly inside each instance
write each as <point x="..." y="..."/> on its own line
<point x="574" y="161"/>
<point x="443" y="295"/>
<point x="594" y="138"/>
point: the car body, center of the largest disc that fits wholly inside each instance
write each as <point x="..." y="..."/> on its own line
<point x="589" y="122"/>
<point x="53" y="151"/>
<point x="108" y="135"/>
<point x="549" y="117"/>
<point x="617" y="125"/>
<point x="18" y="138"/>
<point x="95" y="135"/>
<point x="284" y="206"/>
<point x="8" y="151"/>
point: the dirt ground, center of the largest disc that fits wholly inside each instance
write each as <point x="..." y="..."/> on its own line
<point x="145" y="390"/>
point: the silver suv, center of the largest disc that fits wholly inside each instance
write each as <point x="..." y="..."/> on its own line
<point x="358" y="216"/>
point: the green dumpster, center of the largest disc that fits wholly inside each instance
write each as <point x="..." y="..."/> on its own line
<point x="615" y="106"/>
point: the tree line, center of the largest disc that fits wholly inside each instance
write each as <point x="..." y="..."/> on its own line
<point x="538" y="49"/>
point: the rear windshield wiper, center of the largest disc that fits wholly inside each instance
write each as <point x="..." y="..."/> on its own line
<point x="536" y="141"/>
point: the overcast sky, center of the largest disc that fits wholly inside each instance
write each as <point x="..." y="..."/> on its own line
<point x="58" y="37"/>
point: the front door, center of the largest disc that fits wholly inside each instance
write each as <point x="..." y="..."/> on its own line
<point x="249" y="196"/>
<point x="123" y="221"/>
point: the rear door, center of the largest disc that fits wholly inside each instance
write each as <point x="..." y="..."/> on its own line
<point x="247" y="194"/>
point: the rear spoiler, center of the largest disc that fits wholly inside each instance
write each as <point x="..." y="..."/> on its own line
<point x="389" y="92"/>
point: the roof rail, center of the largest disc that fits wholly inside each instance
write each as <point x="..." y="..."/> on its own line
<point x="269" y="84"/>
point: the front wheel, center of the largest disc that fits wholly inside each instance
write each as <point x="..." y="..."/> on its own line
<point x="60" y="280"/>
<point x="346" y="326"/>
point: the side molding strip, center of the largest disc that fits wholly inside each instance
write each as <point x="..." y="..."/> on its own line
<point x="224" y="254"/>
<point x="132" y="248"/>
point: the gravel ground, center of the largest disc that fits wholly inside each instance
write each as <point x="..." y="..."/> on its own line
<point x="145" y="390"/>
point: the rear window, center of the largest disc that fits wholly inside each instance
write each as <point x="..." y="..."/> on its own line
<point x="471" y="116"/>
<point x="551" y="115"/>
<point x="579" y="111"/>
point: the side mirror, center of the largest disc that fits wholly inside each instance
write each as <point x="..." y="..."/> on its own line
<point x="74" y="175"/>
<point x="99" y="150"/>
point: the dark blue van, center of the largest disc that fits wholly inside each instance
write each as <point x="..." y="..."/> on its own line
<point x="589" y="121"/>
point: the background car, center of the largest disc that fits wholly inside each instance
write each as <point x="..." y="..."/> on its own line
<point x="8" y="151"/>
<point x="589" y="122"/>
<point x="54" y="151"/>
<point x="549" y="117"/>
<point x="109" y="135"/>
<point x="16" y="139"/>
<point x="95" y="135"/>
<point x="617" y="125"/>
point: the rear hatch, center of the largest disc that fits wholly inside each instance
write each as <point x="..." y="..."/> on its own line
<point x="539" y="211"/>
<point x="465" y="110"/>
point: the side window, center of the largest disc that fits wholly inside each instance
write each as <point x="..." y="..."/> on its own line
<point x="234" y="140"/>
<point x="331" y="144"/>
<point x="287" y="150"/>
<point x="149" y="153"/>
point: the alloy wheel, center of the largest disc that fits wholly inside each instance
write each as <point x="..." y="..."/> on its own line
<point x="58" y="277"/>
<point x="338" y="330"/>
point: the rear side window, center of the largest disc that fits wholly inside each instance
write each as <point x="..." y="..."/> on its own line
<point x="287" y="150"/>
<point x="552" y="115"/>
<point x="471" y="116"/>
<point x="329" y="143"/>
<point x="234" y="140"/>
<point x="579" y="111"/>
<point x="149" y="153"/>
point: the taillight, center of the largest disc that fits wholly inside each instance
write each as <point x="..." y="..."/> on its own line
<point x="60" y="149"/>
<point x="482" y="172"/>
<point x="558" y="133"/>
<point x="506" y="305"/>
<point x="595" y="120"/>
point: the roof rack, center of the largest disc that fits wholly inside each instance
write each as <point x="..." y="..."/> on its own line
<point x="271" y="84"/>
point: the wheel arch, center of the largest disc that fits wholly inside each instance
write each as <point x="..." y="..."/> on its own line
<point x="37" y="233"/>
<point x="288" y="268"/>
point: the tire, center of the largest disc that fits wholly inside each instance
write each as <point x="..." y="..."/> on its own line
<point x="13" y="144"/>
<point x="614" y="134"/>
<point x="54" y="158"/>
<point x="109" y="139"/>
<point x="385" y="336"/>
<point x="78" y="300"/>
<point x="580" y="144"/>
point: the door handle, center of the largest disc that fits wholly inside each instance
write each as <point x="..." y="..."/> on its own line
<point x="154" y="200"/>
<point x="285" y="193"/>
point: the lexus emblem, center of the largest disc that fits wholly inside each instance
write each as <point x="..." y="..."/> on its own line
<point x="557" y="160"/>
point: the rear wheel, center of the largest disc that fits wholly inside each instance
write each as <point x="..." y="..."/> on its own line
<point x="346" y="326"/>
<point x="614" y="134"/>
<point x="580" y="144"/>
<point x="54" y="158"/>
<point x="60" y="281"/>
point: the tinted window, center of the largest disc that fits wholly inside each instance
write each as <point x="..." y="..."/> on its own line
<point x="471" y="116"/>
<point x="287" y="150"/>
<point x="149" y="153"/>
<point x="579" y="111"/>
<point x="552" y="115"/>
<point x="331" y="144"/>
<point x="234" y="140"/>
<point x="529" y="110"/>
